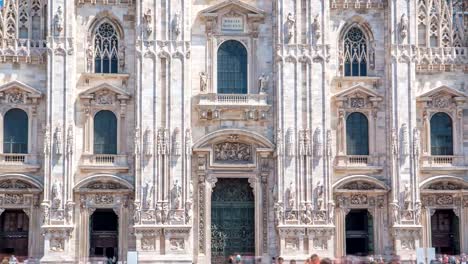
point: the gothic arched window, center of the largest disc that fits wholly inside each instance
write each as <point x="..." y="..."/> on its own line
<point x="106" y="49"/>
<point x="232" y="68"/>
<point x="357" y="134"/>
<point x="105" y="133"/>
<point x="441" y="134"/>
<point x="355" y="53"/>
<point x="15" y="131"/>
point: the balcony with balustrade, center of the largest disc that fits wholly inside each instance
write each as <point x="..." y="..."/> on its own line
<point x="364" y="163"/>
<point x="104" y="162"/>
<point x="213" y="106"/>
<point x="18" y="162"/>
<point x="443" y="163"/>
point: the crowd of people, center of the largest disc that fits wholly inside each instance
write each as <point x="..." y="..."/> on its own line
<point x="315" y="259"/>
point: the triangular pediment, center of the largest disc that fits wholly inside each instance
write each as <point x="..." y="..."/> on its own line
<point x="104" y="88"/>
<point x="442" y="90"/>
<point x="357" y="90"/>
<point x="236" y="5"/>
<point x="17" y="85"/>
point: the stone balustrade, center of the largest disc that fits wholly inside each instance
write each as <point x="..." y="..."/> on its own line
<point x="18" y="162"/>
<point x="104" y="161"/>
<point x="443" y="161"/>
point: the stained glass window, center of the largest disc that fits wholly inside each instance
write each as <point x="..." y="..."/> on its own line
<point x="106" y="49"/>
<point x="355" y="53"/>
<point x="15" y="131"/>
<point x="357" y="134"/>
<point x="441" y="134"/>
<point x="105" y="133"/>
<point x="232" y="68"/>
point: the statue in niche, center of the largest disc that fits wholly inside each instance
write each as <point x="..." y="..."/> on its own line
<point x="292" y="195"/>
<point x="320" y="194"/>
<point x="331" y="212"/>
<point x="203" y="81"/>
<point x="147" y="22"/>
<point x="188" y="142"/>
<point x="307" y="214"/>
<point x="158" y="214"/>
<point x="395" y="212"/>
<point x="148" y="190"/>
<point x="317" y="27"/>
<point x="188" y="211"/>
<point x="58" y="21"/>
<point x="136" y="141"/>
<point x="58" y="140"/>
<point x="403" y="27"/>
<point x="263" y="83"/>
<point x="407" y="197"/>
<point x="394" y="142"/>
<point x="56" y="193"/>
<point x="177" y="195"/>
<point x="137" y="213"/>
<point x="417" y="213"/>
<point x="279" y="213"/>
<point x="176" y="24"/>
<point x="290" y="23"/>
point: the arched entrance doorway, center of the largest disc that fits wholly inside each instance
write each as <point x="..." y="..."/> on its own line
<point x="104" y="234"/>
<point x="232" y="220"/>
<point x="445" y="232"/>
<point x="14" y="228"/>
<point x="359" y="233"/>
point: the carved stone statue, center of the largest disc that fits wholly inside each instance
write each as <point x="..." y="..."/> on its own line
<point x="417" y="213"/>
<point x="58" y="140"/>
<point x="320" y="196"/>
<point x="331" y="212"/>
<point x="290" y="22"/>
<point x="307" y="215"/>
<point x="147" y="22"/>
<point x="279" y="213"/>
<point x="395" y="212"/>
<point x="148" y="190"/>
<point x="317" y="27"/>
<point x="292" y="196"/>
<point x="176" y="27"/>
<point x="176" y="195"/>
<point x="203" y="81"/>
<point x="403" y="27"/>
<point x="58" y="21"/>
<point x="56" y="194"/>
<point x="407" y="197"/>
<point x="263" y="83"/>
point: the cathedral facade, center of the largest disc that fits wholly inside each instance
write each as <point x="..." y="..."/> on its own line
<point x="188" y="131"/>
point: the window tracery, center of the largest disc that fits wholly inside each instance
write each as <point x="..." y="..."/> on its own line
<point x="106" y="53"/>
<point x="355" y="53"/>
<point x="22" y="19"/>
<point x="442" y="23"/>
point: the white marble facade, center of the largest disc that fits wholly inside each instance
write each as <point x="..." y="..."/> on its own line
<point x="292" y="118"/>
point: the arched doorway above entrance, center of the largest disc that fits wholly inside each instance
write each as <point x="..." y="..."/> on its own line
<point x="235" y="154"/>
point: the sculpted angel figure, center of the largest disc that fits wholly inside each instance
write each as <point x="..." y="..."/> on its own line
<point x="263" y="83"/>
<point x="203" y="81"/>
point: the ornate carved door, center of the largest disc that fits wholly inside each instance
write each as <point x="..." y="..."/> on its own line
<point x="232" y="220"/>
